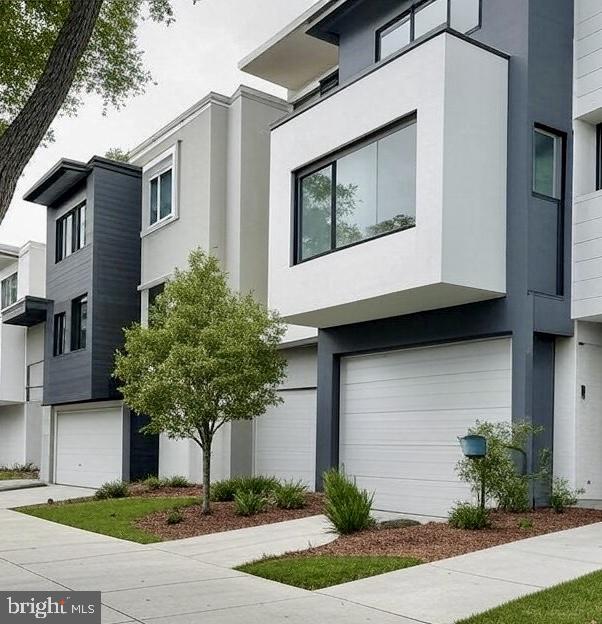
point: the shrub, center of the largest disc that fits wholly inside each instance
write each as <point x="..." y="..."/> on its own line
<point x="177" y="481"/>
<point x="152" y="483"/>
<point x="563" y="496"/>
<point x="290" y="495"/>
<point x="175" y="516"/>
<point x="503" y="482"/>
<point x="346" y="506"/>
<point x="112" y="489"/>
<point x="469" y="516"/>
<point x="525" y="523"/>
<point x="248" y="503"/>
<point x="225" y="490"/>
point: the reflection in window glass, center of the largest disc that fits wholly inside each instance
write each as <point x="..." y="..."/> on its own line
<point x="316" y="211"/>
<point x="429" y="17"/>
<point x="165" y="195"/>
<point x="546" y="163"/>
<point x="464" y="15"/>
<point x="154" y="198"/>
<point x="394" y="38"/>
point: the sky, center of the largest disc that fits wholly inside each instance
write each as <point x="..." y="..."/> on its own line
<point x="196" y="54"/>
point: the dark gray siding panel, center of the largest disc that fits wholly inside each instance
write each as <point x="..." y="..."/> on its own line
<point x="116" y="270"/>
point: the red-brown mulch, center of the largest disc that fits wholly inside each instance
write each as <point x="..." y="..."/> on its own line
<point x="222" y="517"/>
<point x="438" y="540"/>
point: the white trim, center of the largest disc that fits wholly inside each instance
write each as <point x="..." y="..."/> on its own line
<point x="155" y="282"/>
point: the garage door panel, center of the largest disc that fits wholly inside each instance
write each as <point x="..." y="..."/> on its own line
<point x="401" y="413"/>
<point x="427" y="427"/>
<point x="89" y="446"/>
<point x="285" y="438"/>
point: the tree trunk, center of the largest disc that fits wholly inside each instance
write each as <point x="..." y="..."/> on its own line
<point x="25" y="133"/>
<point x="207" y="476"/>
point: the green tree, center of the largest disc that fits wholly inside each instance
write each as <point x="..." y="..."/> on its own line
<point x="116" y="153"/>
<point x="52" y="52"/>
<point x="209" y="356"/>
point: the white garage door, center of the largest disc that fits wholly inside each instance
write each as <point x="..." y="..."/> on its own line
<point x="89" y="447"/>
<point x="402" y="412"/>
<point x="285" y="438"/>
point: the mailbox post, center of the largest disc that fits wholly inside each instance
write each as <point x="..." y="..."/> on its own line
<point x="475" y="448"/>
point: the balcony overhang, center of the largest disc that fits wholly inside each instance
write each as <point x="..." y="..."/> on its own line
<point x="293" y="57"/>
<point x="26" y="312"/>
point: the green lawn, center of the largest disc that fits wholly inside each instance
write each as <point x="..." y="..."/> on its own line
<point x="6" y="475"/>
<point x="114" y="517"/>
<point x="577" y="602"/>
<point x="316" y="572"/>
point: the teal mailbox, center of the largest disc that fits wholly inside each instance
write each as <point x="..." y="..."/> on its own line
<point x="474" y="446"/>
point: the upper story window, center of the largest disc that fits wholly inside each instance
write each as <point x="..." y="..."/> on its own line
<point x="461" y="15"/>
<point x="547" y="163"/>
<point x="160" y="197"/>
<point x="9" y="290"/>
<point x="79" y="321"/>
<point x="359" y="193"/>
<point x="58" y="342"/>
<point x="599" y="157"/>
<point x="71" y="232"/>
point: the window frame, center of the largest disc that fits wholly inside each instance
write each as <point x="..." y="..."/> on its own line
<point x="559" y="165"/>
<point x="75" y="220"/>
<point x="411" y="14"/>
<point x="599" y="157"/>
<point x="167" y="159"/>
<point x="79" y="330"/>
<point x="157" y="176"/>
<point x="330" y="160"/>
<point x="6" y="280"/>
<point x="59" y="326"/>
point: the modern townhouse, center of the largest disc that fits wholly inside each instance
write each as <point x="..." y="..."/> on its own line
<point x="420" y="219"/>
<point x="205" y="184"/>
<point x="23" y="312"/>
<point x="92" y="271"/>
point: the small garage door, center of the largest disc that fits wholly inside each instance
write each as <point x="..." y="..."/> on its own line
<point x="285" y="438"/>
<point x="89" y="447"/>
<point x="402" y="412"/>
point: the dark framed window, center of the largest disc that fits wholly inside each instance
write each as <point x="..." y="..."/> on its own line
<point x="548" y="163"/>
<point x="79" y="322"/>
<point x="71" y="232"/>
<point x="461" y="15"/>
<point x="359" y="193"/>
<point x="9" y="290"/>
<point x="58" y="347"/>
<point x="160" y="197"/>
<point x="154" y="292"/>
<point x="599" y="157"/>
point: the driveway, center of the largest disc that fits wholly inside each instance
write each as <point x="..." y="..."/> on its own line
<point x="191" y="581"/>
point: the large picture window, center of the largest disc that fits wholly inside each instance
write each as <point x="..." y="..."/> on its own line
<point x="461" y="15"/>
<point x="357" y="194"/>
<point x="71" y="232"/>
<point x="79" y="321"/>
<point x="9" y="290"/>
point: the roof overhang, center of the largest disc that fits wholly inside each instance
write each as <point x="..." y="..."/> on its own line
<point x="8" y="255"/>
<point x="292" y="58"/>
<point x="26" y="312"/>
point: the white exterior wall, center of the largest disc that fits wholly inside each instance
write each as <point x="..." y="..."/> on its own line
<point x="222" y="181"/>
<point x="12" y="435"/>
<point x="588" y="60"/>
<point x="460" y="202"/>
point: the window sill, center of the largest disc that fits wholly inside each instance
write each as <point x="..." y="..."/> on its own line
<point x="158" y="225"/>
<point x="73" y="253"/>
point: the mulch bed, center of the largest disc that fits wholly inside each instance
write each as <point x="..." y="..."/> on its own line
<point x="221" y="519"/>
<point x="438" y="540"/>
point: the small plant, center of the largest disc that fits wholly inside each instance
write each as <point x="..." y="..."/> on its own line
<point x="248" y="503"/>
<point x="290" y="495"/>
<point x="563" y="496"/>
<point x="175" y="516"/>
<point x="346" y="506"/>
<point x="469" y="516"/>
<point x="112" y="489"/>
<point x="525" y="523"/>
<point x="222" y="491"/>
<point x="177" y="481"/>
<point x="153" y="483"/>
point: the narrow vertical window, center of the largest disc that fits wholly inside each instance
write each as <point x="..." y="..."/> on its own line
<point x="160" y="196"/>
<point x="59" y="334"/>
<point x="9" y="290"/>
<point x="599" y="157"/>
<point x="79" y="317"/>
<point x="547" y="163"/>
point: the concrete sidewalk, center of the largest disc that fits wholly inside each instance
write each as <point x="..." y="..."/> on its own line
<point x="191" y="581"/>
<point x="35" y="496"/>
<point x="19" y="484"/>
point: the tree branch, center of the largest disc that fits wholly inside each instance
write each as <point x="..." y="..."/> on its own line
<point x="26" y="132"/>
